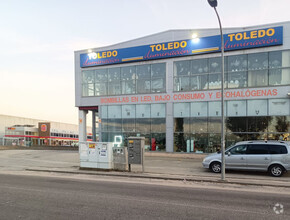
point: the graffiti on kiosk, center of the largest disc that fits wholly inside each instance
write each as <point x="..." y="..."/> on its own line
<point x="192" y="96"/>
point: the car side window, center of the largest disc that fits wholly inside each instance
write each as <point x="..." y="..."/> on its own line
<point x="240" y="149"/>
<point x="257" y="149"/>
<point x="277" y="149"/>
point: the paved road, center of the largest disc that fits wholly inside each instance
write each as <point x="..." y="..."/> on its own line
<point x="56" y="197"/>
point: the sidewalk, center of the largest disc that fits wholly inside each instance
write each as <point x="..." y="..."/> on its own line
<point x="181" y="169"/>
<point x="158" y="165"/>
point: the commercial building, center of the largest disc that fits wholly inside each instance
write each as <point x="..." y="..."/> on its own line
<point x="166" y="87"/>
<point x="28" y="132"/>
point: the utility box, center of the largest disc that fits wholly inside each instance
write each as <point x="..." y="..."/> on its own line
<point x="96" y="155"/>
<point x="120" y="158"/>
<point x="136" y="151"/>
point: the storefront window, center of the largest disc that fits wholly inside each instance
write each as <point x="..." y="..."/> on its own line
<point x="237" y="79"/>
<point x="279" y="76"/>
<point x="199" y="82"/>
<point x="158" y="142"/>
<point x="200" y="143"/>
<point x="158" y="125"/>
<point x="279" y="107"/>
<point x="258" y="124"/>
<point x="143" y="79"/>
<point x="182" y="125"/>
<point x="158" y="74"/>
<point x="143" y="125"/>
<point x="182" y="142"/>
<point x="100" y="89"/>
<point x="128" y="76"/>
<point x="257" y="107"/>
<point x="236" y="108"/>
<point x="181" y="109"/>
<point x="199" y="109"/>
<point x="236" y="124"/>
<point x="114" y="125"/>
<point x="214" y="124"/>
<point x="104" y="111"/>
<point x="128" y="111"/>
<point x="279" y="124"/>
<point x="128" y="125"/>
<point x="237" y="63"/>
<point x="143" y="111"/>
<point x="198" y="125"/>
<point x="115" y="111"/>
<point x="158" y="111"/>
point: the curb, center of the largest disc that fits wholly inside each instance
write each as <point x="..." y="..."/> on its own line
<point x="133" y="175"/>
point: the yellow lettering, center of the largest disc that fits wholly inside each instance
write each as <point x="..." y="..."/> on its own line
<point x="152" y="47"/>
<point x="245" y="36"/>
<point x="114" y="53"/>
<point x="239" y="36"/>
<point x="231" y="36"/>
<point x="261" y="33"/>
<point x="164" y="47"/>
<point x="109" y="53"/>
<point x="170" y="46"/>
<point x="99" y="56"/>
<point x="104" y="54"/>
<point x="176" y="45"/>
<point x="272" y="32"/>
<point x="183" y="44"/>
<point x="253" y="34"/>
<point x="158" y="47"/>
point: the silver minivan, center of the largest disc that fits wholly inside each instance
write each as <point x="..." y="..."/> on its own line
<point x="271" y="156"/>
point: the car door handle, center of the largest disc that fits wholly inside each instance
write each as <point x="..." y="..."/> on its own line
<point x="242" y="158"/>
<point x="266" y="158"/>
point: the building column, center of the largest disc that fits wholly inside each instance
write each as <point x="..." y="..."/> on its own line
<point x="83" y="125"/>
<point x="169" y="109"/>
<point x="94" y="125"/>
<point x="169" y="127"/>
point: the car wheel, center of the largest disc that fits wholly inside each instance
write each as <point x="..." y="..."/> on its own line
<point x="216" y="167"/>
<point x="276" y="170"/>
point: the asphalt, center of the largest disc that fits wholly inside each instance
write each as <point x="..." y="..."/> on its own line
<point x="165" y="166"/>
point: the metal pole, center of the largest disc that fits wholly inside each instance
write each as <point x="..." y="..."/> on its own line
<point x="223" y="173"/>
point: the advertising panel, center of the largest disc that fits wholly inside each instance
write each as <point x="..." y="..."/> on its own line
<point x="233" y="41"/>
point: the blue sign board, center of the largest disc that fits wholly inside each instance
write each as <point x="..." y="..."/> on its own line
<point x="235" y="41"/>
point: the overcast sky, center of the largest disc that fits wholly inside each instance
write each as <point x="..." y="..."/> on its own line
<point x="38" y="39"/>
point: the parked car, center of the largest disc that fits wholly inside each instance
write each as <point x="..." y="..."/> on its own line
<point x="271" y="156"/>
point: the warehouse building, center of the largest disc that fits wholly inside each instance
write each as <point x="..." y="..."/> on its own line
<point x="166" y="87"/>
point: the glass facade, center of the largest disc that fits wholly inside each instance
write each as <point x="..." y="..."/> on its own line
<point x="145" y="120"/>
<point x="196" y="125"/>
<point x="140" y="79"/>
<point x="241" y="71"/>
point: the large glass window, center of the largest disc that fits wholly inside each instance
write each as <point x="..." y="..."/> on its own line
<point x="257" y="107"/>
<point x="247" y="70"/>
<point x="279" y="107"/>
<point x="128" y="111"/>
<point x="198" y="109"/>
<point x="114" y="84"/>
<point x="181" y="109"/>
<point x="237" y="108"/>
<point x="115" y="111"/>
<point x="158" y="111"/>
<point x="143" y="79"/>
<point x="158" y="74"/>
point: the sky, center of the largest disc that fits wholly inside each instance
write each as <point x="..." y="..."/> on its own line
<point x="38" y="39"/>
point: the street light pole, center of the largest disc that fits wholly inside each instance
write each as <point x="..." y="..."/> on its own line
<point x="213" y="3"/>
